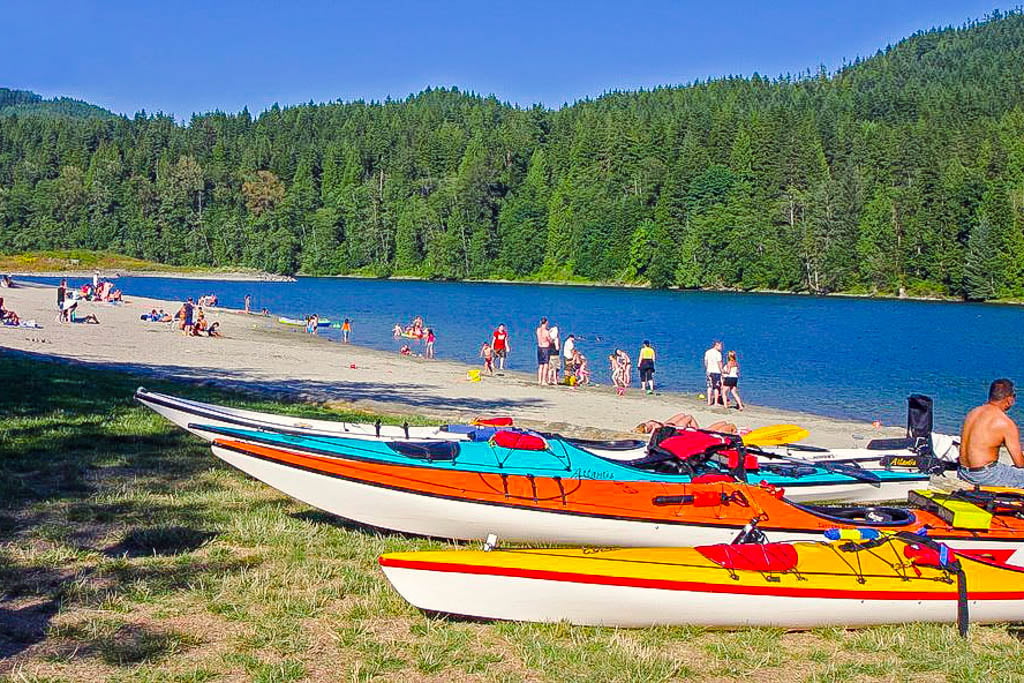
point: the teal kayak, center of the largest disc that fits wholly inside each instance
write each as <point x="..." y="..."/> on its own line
<point x="559" y="458"/>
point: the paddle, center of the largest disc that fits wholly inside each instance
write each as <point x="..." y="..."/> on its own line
<point x="775" y="435"/>
<point x="834" y="467"/>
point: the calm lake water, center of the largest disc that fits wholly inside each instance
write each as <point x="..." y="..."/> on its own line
<point x="850" y="358"/>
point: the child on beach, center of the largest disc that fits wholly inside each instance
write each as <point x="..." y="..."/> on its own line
<point x="582" y="372"/>
<point x="346" y="330"/>
<point x="487" y="353"/>
<point x="430" y="343"/>
<point x="618" y="374"/>
<point x="405" y="350"/>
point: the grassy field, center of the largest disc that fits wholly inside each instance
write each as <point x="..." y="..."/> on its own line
<point x="128" y="553"/>
<point x="77" y="259"/>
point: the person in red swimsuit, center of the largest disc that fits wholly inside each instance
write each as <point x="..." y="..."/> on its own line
<point x="500" y="345"/>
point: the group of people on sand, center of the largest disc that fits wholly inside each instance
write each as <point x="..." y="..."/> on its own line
<point x="67" y="305"/>
<point x="192" y="321"/>
<point x="552" y="354"/>
<point x="722" y="378"/>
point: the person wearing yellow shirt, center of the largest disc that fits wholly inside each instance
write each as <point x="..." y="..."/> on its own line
<point x="645" y="364"/>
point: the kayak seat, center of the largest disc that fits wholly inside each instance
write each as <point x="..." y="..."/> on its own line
<point x="691" y="444"/>
<point x="863" y="515"/>
<point x="759" y="557"/>
<point x="426" y="450"/>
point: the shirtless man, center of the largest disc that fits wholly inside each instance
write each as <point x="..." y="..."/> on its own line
<point x="986" y="429"/>
<point x="543" y="350"/>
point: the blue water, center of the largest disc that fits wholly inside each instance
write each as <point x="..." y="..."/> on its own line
<point x="850" y="358"/>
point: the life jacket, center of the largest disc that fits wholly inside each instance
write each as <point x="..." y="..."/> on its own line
<point x="693" y="443"/>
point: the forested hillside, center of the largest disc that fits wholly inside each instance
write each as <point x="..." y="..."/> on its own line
<point x="27" y="103"/>
<point x="902" y="172"/>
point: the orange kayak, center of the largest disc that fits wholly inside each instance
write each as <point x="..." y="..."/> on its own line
<point x="471" y="505"/>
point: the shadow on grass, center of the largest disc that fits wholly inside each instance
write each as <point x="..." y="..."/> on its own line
<point x="407" y="394"/>
<point x="161" y="540"/>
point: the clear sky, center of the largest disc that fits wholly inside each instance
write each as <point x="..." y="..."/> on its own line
<point x="183" y="56"/>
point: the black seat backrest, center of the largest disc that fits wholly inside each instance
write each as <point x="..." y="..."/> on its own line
<point x="426" y="450"/>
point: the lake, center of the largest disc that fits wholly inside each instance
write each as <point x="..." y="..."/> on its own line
<point x="842" y="357"/>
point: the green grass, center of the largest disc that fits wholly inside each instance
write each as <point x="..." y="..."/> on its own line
<point x="84" y="260"/>
<point x="128" y="553"/>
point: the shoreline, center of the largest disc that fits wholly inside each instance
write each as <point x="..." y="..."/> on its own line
<point x="258" y="355"/>
<point x="262" y="276"/>
<point x="115" y="273"/>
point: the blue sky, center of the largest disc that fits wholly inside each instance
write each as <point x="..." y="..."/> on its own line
<point x="184" y="57"/>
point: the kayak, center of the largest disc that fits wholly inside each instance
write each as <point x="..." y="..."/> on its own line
<point x="183" y="411"/>
<point x="468" y="506"/>
<point x="520" y="454"/>
<point x="890" y="580"/>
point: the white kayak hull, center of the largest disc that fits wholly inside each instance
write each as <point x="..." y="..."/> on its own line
<point x="460" y="519"/>
<point x="593" y="604"/>
<point x="184" y="412"/>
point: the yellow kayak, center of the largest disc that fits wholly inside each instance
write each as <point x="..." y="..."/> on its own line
<point x="844" y="583"/>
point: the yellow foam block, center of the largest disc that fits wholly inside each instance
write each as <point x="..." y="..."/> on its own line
<point x="958" y="513"/>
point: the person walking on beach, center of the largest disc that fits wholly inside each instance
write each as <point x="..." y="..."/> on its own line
<point x="986" y="429"/>
<point x="487" y="353"/>
<point x="618" y="374"/>
<point x="499" y="342"/>
<point x="429" y="353"/>
<point x="731" y="380"/>
<point x="645" y="367"/>
<point x="346" y="330"/>
<point x="543" y="350"/>
<point x="248" y="304"/>
<point x="713" y="371"/>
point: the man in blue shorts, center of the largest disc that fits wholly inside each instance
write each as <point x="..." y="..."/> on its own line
<point x="986" y="430"/>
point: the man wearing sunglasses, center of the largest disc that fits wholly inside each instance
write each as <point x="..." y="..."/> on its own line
<point x="987" y="429"/>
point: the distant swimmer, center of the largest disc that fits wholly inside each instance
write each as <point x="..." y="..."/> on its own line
<point x="987" y="429"/>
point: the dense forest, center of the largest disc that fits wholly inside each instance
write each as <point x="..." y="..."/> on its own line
<point x="901" y="173"/>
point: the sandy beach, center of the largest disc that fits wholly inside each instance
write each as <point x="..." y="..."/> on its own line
<point x="259" y="355"/>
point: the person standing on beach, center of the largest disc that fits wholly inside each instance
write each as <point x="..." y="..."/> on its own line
<point x="346" y="330"/>
<point x="568" y="362"/>
<point x="627" y="367"/>
<point x="543" y="350"/>
<point x="731" y="380"/>
<point x="554" y="356"/>
<point x="645" y="367"/>
<point x="429" y="353"/>
<point x="713" y="371"/>
<point x="499" y="342"/>
<point x="187" y="312"/>
<point x="248" y="304"/>
<point x="62" y="294"/>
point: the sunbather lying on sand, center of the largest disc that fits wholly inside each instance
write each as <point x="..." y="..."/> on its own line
<point x="684" y="420"/>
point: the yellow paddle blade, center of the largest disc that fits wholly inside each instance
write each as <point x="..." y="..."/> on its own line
<point x="775" y="435"/>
